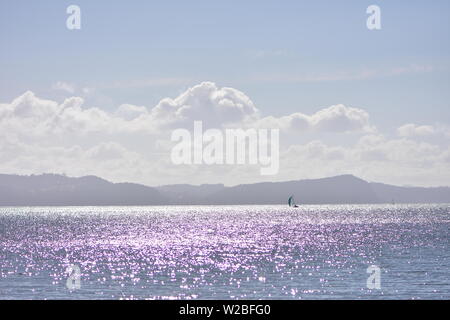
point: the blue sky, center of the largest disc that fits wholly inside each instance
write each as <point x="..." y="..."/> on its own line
<point x="287" y="56"/>
<point x="234" y="43"/>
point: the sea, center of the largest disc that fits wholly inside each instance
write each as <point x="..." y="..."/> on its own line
<point x="392" y="251"/>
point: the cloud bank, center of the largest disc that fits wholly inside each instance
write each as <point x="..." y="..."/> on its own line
<point x="132" y="143"/>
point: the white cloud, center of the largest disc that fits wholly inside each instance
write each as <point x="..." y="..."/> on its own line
<point x="437" y="131"/>
<point x="411" y="130"/>
<point x="337" y="118"/>
<point x="132" y="143"/>
<point x="29" y="115"/>
<point x="372" y="157"/>
<point x="215" y="106"/>
<point x="130" y="112"/>
<point x="64" y="86"/>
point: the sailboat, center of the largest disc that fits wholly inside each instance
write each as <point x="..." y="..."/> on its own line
<point x="291" y="202"/>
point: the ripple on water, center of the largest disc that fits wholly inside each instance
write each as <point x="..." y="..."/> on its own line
<point x="233" y="252"/>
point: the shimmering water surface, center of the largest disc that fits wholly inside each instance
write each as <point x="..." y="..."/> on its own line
<point x="234" y="252"/>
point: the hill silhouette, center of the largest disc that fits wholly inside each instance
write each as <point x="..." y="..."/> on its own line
<point x="60" y="190"/>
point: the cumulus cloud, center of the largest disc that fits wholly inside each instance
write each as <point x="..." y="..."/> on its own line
<point x="132" y="143"/>
<point x="130" y="112"/>
<point x="214" y="106"/>
<point x="337" y="118"/>
<point x="437" y="131"/>
<point x="411" y="130"/>
<point x="373" y="157"/>
<point x="316" y="150"/>
<point x="41" y="135"/>
<point x="29" y="115"/>
<point x="64" y="86"/>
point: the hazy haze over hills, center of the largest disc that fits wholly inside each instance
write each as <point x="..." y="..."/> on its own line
<point x="52" y="189"/>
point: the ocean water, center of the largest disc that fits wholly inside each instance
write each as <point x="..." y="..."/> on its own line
<point x="231" y="252"/>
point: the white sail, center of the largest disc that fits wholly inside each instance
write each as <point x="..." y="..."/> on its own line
<point x="291" y="201"/>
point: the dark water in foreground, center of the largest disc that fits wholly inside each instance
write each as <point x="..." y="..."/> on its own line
<point x="234" y="252"/>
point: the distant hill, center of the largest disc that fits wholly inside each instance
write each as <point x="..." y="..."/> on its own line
<point x="385" y="192"/>
<point x="341" y="189"/>
<point x="59" y="190"/>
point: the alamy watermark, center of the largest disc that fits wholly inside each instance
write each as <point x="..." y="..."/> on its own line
<point x="73" y="22"/>
<point x="374" y="20"/>
<point x="374" y="280"/>
<point x="229" y="146"/>
<point x="73" y="282"/>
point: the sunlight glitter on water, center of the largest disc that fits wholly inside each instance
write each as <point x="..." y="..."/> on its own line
<point x="232" y="252"/>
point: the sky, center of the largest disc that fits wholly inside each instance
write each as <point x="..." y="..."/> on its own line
<point x="105" y="99"/>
